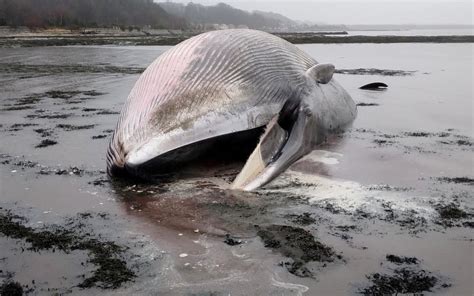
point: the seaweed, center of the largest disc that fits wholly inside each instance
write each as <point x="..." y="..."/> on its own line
<point x="450" y="211"/>
<point x="401" y="259"/>
<point x="457" y="180"/>
<point x="303" y="219"/>
<point x="297" y="244"/>
<point x="71" y="127"/>
<point x="112" y="271"/>
<point x="59" y="94"/>
<point x="44" y="132"/>
<point x="232" y="241"/>
<point x="17" y="108"/>
<point x="362" y="104"/>
<point x="46" y="143"/>
<point x="10" y="288"/>
<point x="107" y="112"/>
<point x="373" y="71"/>
<point x="296" y="38"/>
<point x="403" y="280"/>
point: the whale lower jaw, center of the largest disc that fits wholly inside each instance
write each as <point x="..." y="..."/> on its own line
<point x="227" y="151"/>
<point x="183" y="144"/>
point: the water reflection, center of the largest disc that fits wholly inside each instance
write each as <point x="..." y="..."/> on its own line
<point x="197" y="199"/>
<point x="189" y="219"/>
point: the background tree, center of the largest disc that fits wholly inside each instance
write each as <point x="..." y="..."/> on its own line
<point x="87" y="13"/>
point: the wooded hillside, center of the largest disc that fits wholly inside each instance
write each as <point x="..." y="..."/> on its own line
<point x="86" y="13"/>
<point x="197" y="14"/>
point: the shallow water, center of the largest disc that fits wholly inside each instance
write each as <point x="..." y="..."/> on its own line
<point x="381" y="178"/>
<point x="415" y="32"/>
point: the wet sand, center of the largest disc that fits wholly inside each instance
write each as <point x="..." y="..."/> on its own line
<point x="385" y="208"/>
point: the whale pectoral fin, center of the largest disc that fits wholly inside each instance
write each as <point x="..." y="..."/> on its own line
<point x="280" y="146"/>
<point x="267" y="149"/>
<point x="322" y="73"/>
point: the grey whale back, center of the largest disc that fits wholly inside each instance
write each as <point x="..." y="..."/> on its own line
<point x="212" y="84"/>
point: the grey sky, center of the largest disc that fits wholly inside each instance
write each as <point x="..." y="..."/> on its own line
<point x="362" y="12"/>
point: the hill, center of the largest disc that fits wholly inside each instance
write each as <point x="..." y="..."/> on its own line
<point x="224" y="15"/>
<point x="86" y="13"/>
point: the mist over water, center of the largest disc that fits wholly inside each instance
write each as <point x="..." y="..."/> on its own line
<point x="353" y="12"/>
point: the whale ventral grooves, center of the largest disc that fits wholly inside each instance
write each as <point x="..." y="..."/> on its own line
<point x="224" y="87"/>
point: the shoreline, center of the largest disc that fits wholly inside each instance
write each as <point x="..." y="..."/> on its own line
<point x="168" y="39"/>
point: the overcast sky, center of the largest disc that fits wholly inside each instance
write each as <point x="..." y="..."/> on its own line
<point x="361" y="12"/>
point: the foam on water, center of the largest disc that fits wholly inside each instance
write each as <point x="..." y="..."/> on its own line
<point x="323" y="156"/>
<point x="349" y="195"/>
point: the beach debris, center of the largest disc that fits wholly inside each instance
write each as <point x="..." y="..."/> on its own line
<point x="374" y="86"/>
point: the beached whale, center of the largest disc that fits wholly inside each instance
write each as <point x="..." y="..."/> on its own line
<point x="229" y="86"/>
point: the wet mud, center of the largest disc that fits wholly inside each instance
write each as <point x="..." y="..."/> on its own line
<point x="111" y="270"/>
<point x="296" y="38"/>
<point x="384" y="208"/>
<point x="42" y="69"/>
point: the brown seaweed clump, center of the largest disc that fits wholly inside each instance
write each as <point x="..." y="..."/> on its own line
<point x="297" y="244"/>
<point x="112" y="271"/>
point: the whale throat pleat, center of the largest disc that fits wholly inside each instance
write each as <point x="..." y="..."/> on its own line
<point x="221" y="81"/>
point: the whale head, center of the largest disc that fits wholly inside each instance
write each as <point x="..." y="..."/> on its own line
<point x="305" y="120"/>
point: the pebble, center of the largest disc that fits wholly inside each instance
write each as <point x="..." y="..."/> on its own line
<point x="183" y="255"/>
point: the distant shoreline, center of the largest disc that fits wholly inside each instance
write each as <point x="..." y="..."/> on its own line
<point x="303" y="38"/>
<point x="34" y="40"/>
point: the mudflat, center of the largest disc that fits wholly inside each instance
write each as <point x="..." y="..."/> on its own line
<point x="39" y="39"/>
<point x="385" y="208"/>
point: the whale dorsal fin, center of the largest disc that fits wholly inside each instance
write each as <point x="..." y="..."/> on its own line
<point x="322" y="73"/>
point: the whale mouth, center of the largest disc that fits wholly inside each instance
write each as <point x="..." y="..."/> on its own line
<point x="197" y="158"/>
